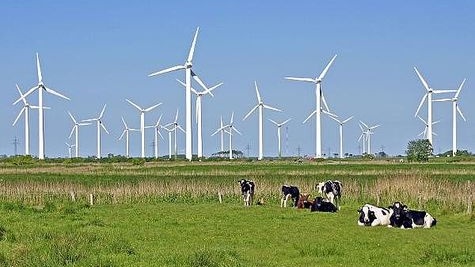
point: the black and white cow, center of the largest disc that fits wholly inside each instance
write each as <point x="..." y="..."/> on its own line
<point x="321" y="205"/>
<point x="289" y="191"/>
<point x="247" y="190"/>
<point x="372" y="215"/>
<point x="404" y="218"/>
<point x="331" y="190"/>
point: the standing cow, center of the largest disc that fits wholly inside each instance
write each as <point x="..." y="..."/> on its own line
<point x="247" y="190"/>
<point x="289" y="191"/>
<point x="331" y="190"/>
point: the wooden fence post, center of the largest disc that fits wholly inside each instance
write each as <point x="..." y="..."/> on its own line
<point x="73" y="196"/>
<point x="220" y="196"/>
<point x="91" y="199"/>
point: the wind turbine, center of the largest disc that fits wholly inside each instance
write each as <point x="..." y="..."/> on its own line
<point x="75" y="129"/>
<point x="428" y="95"/>
<point x="341" y="123"/>
<point x="455" y="109"/>
<point x="363" y="138"/>
<point x="198" y="111"/>
<point x="69" y="149"/>
<point x="26" y="111"/>
<point x="318" y="108"/>
<point x="188" y="74"/>
<point x="41" y="125"/>
<point x="142" y="121"/>
<point x="175" y="126"/>
<point x="100" y="125"/>
<point x="260" y="105"/>
<point x="157" y="132"/>
<point x="169" y="140"/>
<point x="126" y="133"/>
<point x="279" y="125"/>
<point x="369" y="130"/>
<point x="424" y="133"/>
<point x="229" y="128"/>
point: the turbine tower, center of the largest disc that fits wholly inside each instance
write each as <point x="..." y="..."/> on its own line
<point x="341" y="123"/>
<point x="157" y="132"/>
<point x="363" y="138"/>
<point x="26" y="110"/>
<point x="99" y="125"/>
<point x="126" y="133"/>
<point x="369" y="132"/>
<point x="70" y="147"/>
<point x="428" y="95"/>
<point x="279" y="125"/>
<point x="198" y="111"/>
<point x="455" y="109"/>
<point x="169" y="141"/>
<point x="189" y="73"/>
<point x="41" y="123"/>
<point x="142" y="122"/>
<point x="229" y="128"/>
<point x="174" y="127"/>
<point x="318" y="108"/>
<point x="260" y="105"/>
<point x="75" y="129"/>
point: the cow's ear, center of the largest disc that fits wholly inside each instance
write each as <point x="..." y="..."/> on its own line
<point x="360" y="210"/>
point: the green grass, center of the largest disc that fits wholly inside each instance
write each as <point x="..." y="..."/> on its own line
<point x="228" y="234"/>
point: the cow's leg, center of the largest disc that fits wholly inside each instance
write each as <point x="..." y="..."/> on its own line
<point x="282" y="201"/>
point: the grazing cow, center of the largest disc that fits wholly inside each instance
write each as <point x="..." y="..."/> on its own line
<point x="331" y="190"/>
<point x="247" y="191"/>
<point x="324" y="206"/>
<point x="289" y="191"/>
<point x="303" y="202"/>
<point x="404" y="218"/>
<point x="372" y="216"/>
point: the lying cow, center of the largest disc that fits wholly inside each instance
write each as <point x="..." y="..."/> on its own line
<point x="404" y="218"/>
<point x="331" y="190"/>
<point x="247" y="191"/>
<point x="289" y="191"/>
<point x="372" y="216"/>
<point x="324" y="206"/>
<point x="303" y="202"/>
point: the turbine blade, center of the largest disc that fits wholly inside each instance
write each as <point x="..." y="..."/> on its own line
<point x="325" y="103"/>
<point x="152" y="107"/>
<point x="184" y="85"/>
<point x="21" y="95"/>
<point x="335" y="119"/>
<point x="197" y="79"/>
<point x="324" y="72"/>
<point x="179" y="67"/>
<point x="198" y="108"/>
<point x="458" y="91"/>
<point x="345" y="121"/>
<point x="135" y="105"/>
<point x="104" y="127"/>
<point x="236" y="130"/>
<point x="232" y="118"/>
<point x="212" y="88"/>
<point x="443" y="91"/>
<point x="89" y="120"/>
<point x="249" y="113"/>
<point x="434" y="133"/>
<point x="84" y="123"/>
<point x="273" y="122"/>
<point x="435" y="122"/>
<point x="329" y="113"/>
<point x="300" y="79"/>
<point x="72" y="130"/>
<point x="259" y="100"/>
<point x="422" y="119"/>
<point x="271" y="108"/>
<point x="51" y="91"/>
<point x="364" y="124"/>
<point x="193" y="44"/>
<point x="180" y="128"/>
<point x="158" y="121"/>
<point x="426" y="86"/>
<point x="102" y="112"/>
<point x="19" y="115"/>
<point x="460" y="112"/>
<point x="309" y="116"/>
<point x="176" y="116"/>
<point x="159" y="133"/>
<point x="374" y="127"/>
<point x="38" y="68"/>
<point x="285" y="121"/>
<point x="72" y="118"/>
<point x="25" y="95"/>
<point x="122" y="135"/>
<point x="123" y="121"/>
<point x="420" y="104"/>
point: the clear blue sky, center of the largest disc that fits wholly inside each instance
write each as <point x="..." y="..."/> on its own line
<point x="100" y="52"/>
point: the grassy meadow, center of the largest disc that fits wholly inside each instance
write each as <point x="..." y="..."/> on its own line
<point x="168" y="214"/>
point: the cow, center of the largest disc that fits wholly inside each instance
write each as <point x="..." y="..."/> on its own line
<point x="303" y="202"/>
<point x="331" y="190"/>
<point x="247" y="190"/>
<point x="404" y="218"/>
<point x="372" y="215"/>
<point x="289" y="191"/>
<point x="324" y="206"/>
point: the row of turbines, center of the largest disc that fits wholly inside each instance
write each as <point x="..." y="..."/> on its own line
<point x="321" y="107"/>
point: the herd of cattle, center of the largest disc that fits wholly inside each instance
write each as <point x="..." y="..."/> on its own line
<point x="397" y="215"/>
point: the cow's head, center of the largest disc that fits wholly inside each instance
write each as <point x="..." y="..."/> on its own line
<point x="319" y="187"/>
<point x="399" y="210"/>
<point x="366" y="215"/>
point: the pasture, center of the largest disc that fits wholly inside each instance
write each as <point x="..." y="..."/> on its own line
<point x="168" y="214"/>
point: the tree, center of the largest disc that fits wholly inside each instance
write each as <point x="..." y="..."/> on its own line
<point x="419" y="150"/>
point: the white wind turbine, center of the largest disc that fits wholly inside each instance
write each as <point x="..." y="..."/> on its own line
<point x="41" y="126"/>
<point x="260" y="105"/>
<point x="341" y="123"/>
<point x="70" y="147"/>
<point x="169" y="140"/>
<point x="279" y="125"/>
<point x="26" y="110"/>
<point x="455" y="109"/>
<point x="428" y="95"/>
<point x="198" y="111"/>
<point x="318" y="108"/>
<point x="126" y="133"/>
<point x="188" y="74"/>
<point x="142" y="122"/>
<point x="229" y="128"/>
<point x="424" y="133"/>
<point x="363" y="138"/>
<point x="75" y="130"/>
<point x="369" y="132"/>
<point x="174" y="126"/>
<point x="157" y="132"/>
<point x="99" y="125"/>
